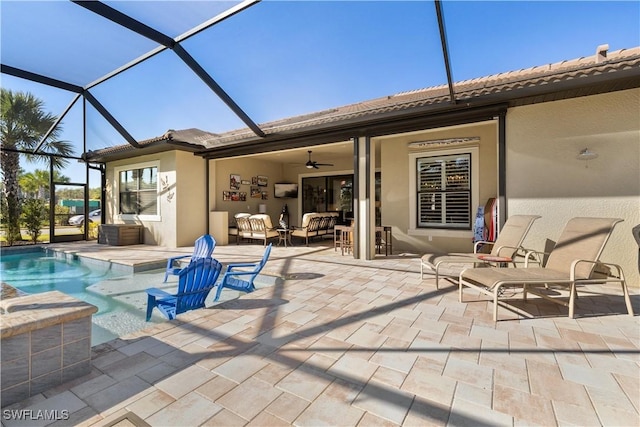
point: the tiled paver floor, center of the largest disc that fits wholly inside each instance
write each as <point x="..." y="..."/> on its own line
<point x="346" y="342"/>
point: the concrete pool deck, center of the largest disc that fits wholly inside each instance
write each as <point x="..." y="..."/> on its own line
<point x="347" y="342"/>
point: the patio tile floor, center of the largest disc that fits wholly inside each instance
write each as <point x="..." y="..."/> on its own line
<point x="358" y="343"/>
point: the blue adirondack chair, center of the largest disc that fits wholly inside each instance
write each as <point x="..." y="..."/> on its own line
<point x="242" y="280"/>
<point x="194" y="284"/>
<point x="203" y="248"/>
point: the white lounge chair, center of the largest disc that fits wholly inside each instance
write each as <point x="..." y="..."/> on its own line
<point x="506" y="247"/>
<point x="572" y="262"/>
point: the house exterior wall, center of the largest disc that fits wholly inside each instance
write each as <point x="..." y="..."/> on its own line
<point x="544" y="177"/>
<point x="181" y="198"/>
<point x="189" y="200"/>
<point x="395" y="189"/>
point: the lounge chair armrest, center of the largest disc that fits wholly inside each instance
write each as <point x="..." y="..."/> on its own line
<point x="158" y="293"/>
<point x="480" y="242"/>
<point x="513" y="249"/>
<point x="575" y="263"/>
<point x="533" y="256"/>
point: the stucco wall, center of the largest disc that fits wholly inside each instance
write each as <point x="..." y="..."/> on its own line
<point x="182" y="198"/>
<point x="189" y="200"/>
<point x="544" y="177"/>
<point x="395" y="186"/>
<point x="157" y="232"/>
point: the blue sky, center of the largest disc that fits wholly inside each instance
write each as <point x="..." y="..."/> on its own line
<point x="278" y="59"/>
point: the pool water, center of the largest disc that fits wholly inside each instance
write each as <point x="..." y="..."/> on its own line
<point x="119" y="296"/>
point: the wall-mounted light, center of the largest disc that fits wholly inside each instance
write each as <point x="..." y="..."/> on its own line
<point x="587" y="155"/>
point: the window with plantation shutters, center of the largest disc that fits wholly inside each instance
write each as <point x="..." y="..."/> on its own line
<point x="444" y="191"/>
<point x="138" y="190"/>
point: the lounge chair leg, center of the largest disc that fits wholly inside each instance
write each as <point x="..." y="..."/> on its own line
<point x="495" y="303"/>
<point x="572" y="299"/>
<point x="625" y="292"/>
<point x="627" y="299"/>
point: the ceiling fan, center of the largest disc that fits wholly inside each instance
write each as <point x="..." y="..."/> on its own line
<point x="315" y="165"/>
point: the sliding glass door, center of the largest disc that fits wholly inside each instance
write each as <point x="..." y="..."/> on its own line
<point x="333" y="193"/>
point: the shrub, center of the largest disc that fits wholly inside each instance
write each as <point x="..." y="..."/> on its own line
<point x="33" y="216"/>
<point x="93" y="230"/>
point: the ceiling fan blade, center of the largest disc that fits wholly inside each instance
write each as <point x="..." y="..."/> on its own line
<point x="324" y="164"/>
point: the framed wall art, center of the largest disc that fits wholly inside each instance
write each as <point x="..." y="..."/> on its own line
<point x="234" y="182"/>
<point x="256" y="193"/>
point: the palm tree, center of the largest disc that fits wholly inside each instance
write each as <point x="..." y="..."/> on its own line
<point x="36" y="183"/>
<point x="23" y="122"/>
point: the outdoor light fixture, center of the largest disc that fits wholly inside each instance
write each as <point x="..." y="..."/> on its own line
<point x="587" y="155"/>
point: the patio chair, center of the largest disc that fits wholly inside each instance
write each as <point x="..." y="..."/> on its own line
<point x="203" y="248"/>
<point x="572" y="262"/>
<point x="262" y="228"/>
<point x="242" y="280"/>
<point x="309" y="228"/>
<point x="243" y="230"/>
<point x="194" y="284"/>
<point x="505" y="249"/>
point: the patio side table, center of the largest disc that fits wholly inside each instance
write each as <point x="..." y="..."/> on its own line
<point x="284" y="235"/>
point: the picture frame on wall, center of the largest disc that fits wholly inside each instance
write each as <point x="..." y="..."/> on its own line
<point x="254" y="180"/>
<point x="245" y="182"/>
<point x="263" y="181"/>
<point x="226" y="196"/>
<point x="234" y="182"/>
<point x="256" y="193"/>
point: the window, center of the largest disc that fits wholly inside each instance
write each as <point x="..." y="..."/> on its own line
<point x="138" y="191"/>
<point x="444" y="191"/>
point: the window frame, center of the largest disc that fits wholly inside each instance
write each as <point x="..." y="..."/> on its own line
<point x="116" y="178"/>
<point x="414" y="229"/>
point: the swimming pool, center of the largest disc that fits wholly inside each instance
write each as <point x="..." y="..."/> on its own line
<point x="119" y="296"/>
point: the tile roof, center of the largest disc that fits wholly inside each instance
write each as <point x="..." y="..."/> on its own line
<point x="507" y="86"/>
